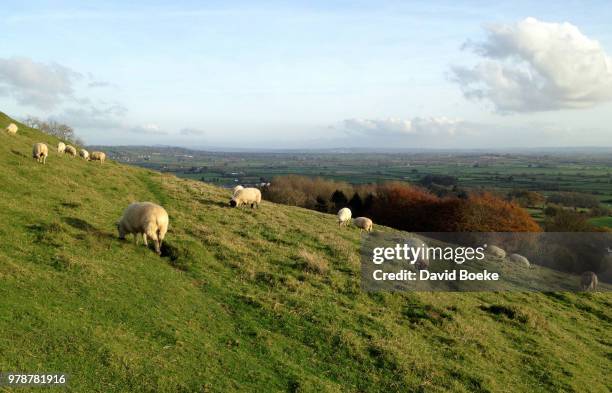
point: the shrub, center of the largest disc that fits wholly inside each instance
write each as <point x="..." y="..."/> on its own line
<point x="574" y="199"/>
<point x="404" y="206"/>
<point x="527" y="198"/>
<point x="488" y="213"/>
<point x="568" y="221"/>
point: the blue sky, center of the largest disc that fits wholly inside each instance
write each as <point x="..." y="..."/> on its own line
<point x="316" y="74"/>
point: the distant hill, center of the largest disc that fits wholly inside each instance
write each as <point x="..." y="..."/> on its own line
<point x="263" y="300"/>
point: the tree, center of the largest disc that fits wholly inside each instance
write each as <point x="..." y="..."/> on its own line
<point x="368" y="202"/>
<point x="487" y="213"/>
<point x="55" y="128"/>
<point x="568" y="221"/>
<point x="356" y="204"/>
<point x="339" y="199"/>
<point x="442" y="180"/>
<point x="321" y="204"/>
<point x="527" y="198"/>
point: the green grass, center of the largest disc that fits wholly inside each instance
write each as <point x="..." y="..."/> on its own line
<point x="602" y="221"/>
<point x="264" y="300"/>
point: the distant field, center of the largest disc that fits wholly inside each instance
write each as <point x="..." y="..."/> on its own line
<point x="545" y="173"/>
<point x="602" y="221"/>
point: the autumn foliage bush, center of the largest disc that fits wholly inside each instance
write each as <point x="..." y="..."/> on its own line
<point x="404" y="206"/>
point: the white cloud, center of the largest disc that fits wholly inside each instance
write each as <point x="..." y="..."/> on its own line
<point x="537" y="66"/>
<point x="147" y="129"/>
<point x="99" y="84"/>
<point x="94" y="116"/>
<point x="417" y="126"/>
<point x="36" y="84"/>
<point x="191" y="132"/>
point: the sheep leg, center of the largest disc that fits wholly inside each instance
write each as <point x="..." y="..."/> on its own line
<point x="136" y="238"/>
<point x="152" y="233"/>
<point x="144" y="238"/>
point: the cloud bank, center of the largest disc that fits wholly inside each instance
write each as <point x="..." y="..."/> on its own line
<point x="535" y="66"/>
<point x="39" y="85"/>
<point x="417" y="126"/>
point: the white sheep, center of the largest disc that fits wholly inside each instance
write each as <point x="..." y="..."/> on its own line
<point x="246" y="196"/>
<point x="97" y="156"/>
<point x="12" y="129"/>
<point x="363" y="223"/>
<point x="344" y="216"/>
<point x="84" y="154"/>
<point x="71" y="150"/>
<point x="496" y="251"/>
<point x="517" y="258"/>
<point x="40" y="151"/>
<point x="239" y="187"/>
<point x="588" y="281"/>
<point x="61" y="147"/>
<point x="144" y="218"/>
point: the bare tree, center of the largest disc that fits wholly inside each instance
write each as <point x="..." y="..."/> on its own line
<point x="55" y="128"/>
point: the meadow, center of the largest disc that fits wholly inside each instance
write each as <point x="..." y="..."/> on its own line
<point x="250" y="300"/>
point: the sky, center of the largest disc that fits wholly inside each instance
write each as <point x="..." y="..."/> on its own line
<point x="317" y="74"/>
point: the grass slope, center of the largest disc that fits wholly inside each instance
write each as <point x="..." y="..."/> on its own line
<point x="265" y="300"/>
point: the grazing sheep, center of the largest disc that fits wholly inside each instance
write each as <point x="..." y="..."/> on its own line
<point x="144" y="218"/>
<point x="236" y="189"/>
<point x="588" y="281"/>
<point x="344" y="216"/>
<point x="97" y="156"/>
<point x="363" y="223"/>
<point x="496" y="251"/>
<point x="84" y="154"/>
<point x="246" y="196"/>
<point x="61" y="147"/>
<point x="40" y="151"/>
<point x="71" y="150"/>
<point x="12" y="129"/>
<point x="517" y="258"/>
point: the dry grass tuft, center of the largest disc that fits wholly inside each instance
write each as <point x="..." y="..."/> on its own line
<point x="313" y="263"/>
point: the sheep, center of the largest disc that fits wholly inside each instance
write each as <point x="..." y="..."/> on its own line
<point x="496" y="251"/>
<point x="12" y="129"/>
<point x="144" y="218"/>
<point x="84" y="154"/>
<point x="517" y="258"/>
<point x="246" y="196"/>
<point x="239" y="187"/>
<point x="344" y="216"/>
<point x="61" y="147"/>
<point x="363" y="223"/>
<point x="588" y="281"/>
<point x="97" y="156"/>
<point x="40" y="151"/>
<point x="71" y="150"/>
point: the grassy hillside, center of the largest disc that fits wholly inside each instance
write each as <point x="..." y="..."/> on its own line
<point x="265" y="300"/>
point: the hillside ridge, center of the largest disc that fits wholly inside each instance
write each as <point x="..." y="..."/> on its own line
<point x="249" y="300"/>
